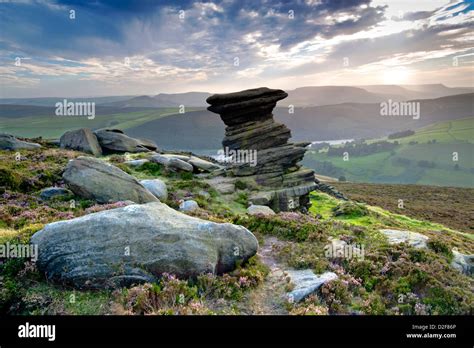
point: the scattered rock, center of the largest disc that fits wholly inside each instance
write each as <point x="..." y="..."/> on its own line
<point x="172" y="163"/>
<point x="54" y="192"/>
<point x="177" y="164"/>
<point x="157" y="187"/>
<point x="160" y="159"/>
<point x="261" y="198"/>
<point x="463" y="263"/>
<point x="413" y="239"/>
<point x="203" y="165"/>
<point x="92" y="178"/>
<point x="81" y="140"/>
<point x="136" y="244"/>
<point x="136" y="163"/>
<point x="115" y="141"/>
<point x="9" y="142"/>
<point x="306" y="282"/>
<point x="260" y="210"/>
<point x="180" y="157"/>
<point x="189" y="205"/>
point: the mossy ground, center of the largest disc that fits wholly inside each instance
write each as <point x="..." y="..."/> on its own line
<point x="388" y="280"/>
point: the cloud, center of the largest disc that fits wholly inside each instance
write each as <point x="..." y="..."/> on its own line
<point x="172" y="45"/>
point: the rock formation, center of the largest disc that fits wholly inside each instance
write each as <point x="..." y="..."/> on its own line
<point x="258" y="150"/>
<point x="92" y="178"/>
<point x="137" y="244"/>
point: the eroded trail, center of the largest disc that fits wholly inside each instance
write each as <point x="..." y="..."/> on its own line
<point x="269" y="298"/>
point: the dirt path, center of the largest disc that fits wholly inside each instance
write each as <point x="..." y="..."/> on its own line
<point x="269" y="298"/>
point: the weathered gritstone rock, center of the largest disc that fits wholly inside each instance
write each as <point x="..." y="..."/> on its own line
<point x="414" y="239"/>
<point x="9" y="142"/>
<point x="306" y="282"/>
<point x="92" y="178"/>
<point x="263" y="158"/>
<point x="136" y="244"/>
<point x="82" y="140"/>
<point x="115" y="141"/>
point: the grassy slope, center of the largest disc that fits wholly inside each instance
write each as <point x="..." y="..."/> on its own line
<point x="54" y="126"/>
<point x="454" y="136"/>
<point x="362" y="288"/>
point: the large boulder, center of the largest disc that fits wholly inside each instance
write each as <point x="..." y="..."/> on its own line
<point x="92" y="178"/>
<point x="9" y="142"/>
<point x="81" y="140"/>
<point x="115" y="141"/>
<point x="138" y="243"/>
<point x="157" y="187"/>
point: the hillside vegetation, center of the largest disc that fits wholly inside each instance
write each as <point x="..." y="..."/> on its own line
<point x="440" y="154"/>
<point x="389" y="279"/>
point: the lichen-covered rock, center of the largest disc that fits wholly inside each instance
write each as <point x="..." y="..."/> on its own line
<point x="306" y="282"/>
<point x="188" y="205"/>
<point x="115" y="141"/>
<point x="157" y="187"/>
<point x="257" y="148"/>
<point x="413" y="239"/>
<point x="92" y="178"/>
<point x="9" y="142"/>
<point x="260" y="210"/>
<point x="81" y="140"/>
<point x="136" y="244"/>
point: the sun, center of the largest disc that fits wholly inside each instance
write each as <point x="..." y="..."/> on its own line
<point x="396" y="75"/>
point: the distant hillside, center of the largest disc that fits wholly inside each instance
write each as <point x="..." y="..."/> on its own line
<point x="50" y="101"/>
<point x="163" y="100"/>
<point x="204" y="130"/>
<point x="425" y="157"/>
<point x="328" y="95"/>
<point x="408" y="92"/>
<point x="351" y="120"/>
<point x="299" y="97"/>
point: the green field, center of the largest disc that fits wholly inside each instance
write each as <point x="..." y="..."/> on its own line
<point x="386" y="167"/>
<point x="52" y="126"/>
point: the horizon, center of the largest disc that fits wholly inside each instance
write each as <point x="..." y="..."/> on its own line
<point x="285" y="89"/>
<point x="107" y="48"/>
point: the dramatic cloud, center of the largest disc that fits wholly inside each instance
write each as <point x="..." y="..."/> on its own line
<point x="73" y="48"/>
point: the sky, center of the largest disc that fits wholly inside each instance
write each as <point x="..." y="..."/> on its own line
<point x="113" y="47"/>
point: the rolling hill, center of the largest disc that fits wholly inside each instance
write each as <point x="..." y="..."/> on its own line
<point x="426" y="157"/>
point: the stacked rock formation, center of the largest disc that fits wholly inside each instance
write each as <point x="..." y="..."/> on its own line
<point x="262" y="157"/>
